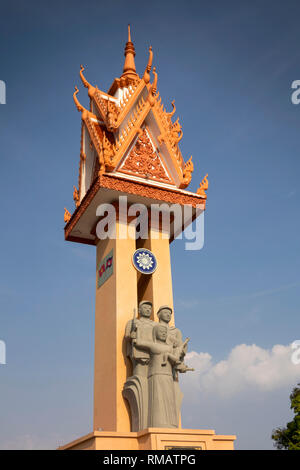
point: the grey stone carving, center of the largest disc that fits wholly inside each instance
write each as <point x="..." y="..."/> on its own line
<point x="174" y="338"/>
<point x="157" y="354"/>
<point x="136" y="387"/>
<point x="139" y="358"/>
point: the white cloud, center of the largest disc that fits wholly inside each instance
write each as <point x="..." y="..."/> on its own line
<point x="246" y="366"/>
<point x="246" y="393"/>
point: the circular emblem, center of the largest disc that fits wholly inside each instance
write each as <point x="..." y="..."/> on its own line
<point x="144" y="261"/>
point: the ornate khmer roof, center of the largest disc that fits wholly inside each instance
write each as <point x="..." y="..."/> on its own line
<point x="128" y="133"/>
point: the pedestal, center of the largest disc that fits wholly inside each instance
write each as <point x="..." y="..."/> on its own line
<point x="153" y="439"/>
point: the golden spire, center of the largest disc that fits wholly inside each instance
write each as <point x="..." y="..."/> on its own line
<point x="129" y="37"/>
<point x="129" y="64"/>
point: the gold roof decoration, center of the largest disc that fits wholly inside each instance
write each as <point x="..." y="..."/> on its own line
<point x="76" y="196"/>
<point x="187" y="173"/>
<point x="67" y="216"/>
<point x="203" y="187"/>
<point x="153" y="89"/>
<point x="118" y="117"/>
<point x="146" y="76"/>
<point x="91" y="88"/>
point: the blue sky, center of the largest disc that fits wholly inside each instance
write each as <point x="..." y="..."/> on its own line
<point x="230" y="66"/>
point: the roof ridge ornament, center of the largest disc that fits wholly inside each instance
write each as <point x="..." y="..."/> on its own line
<point x="187" y="173"/>
<point x="169" y="115"/>
<point x="203" y="187"/>
<point x="76" y="196"/>
<point x="77" y="104"/>
<point x="82" y="109"/>
<point x="153" y="89"/>
<point x="67" y="216"/>
<point x="146" y="76"/>
<point x="91" y="88"/>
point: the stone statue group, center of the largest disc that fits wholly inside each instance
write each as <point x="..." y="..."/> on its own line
<point x="157" y="352"/>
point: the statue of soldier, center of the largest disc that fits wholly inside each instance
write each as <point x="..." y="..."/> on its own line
<point x="139" y="357"/>
<point x="164" y="406"/>
<point x="174" y="337"/>
<point x="136" y="387"/>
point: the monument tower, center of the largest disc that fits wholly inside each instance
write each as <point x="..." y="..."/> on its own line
<point x="130" y="162"/>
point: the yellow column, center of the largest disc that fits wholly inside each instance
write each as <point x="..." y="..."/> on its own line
<point x="115" y="301"/>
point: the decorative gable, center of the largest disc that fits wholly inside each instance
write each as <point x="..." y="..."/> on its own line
<point x="128" y="130"/>
<point x="144" y="161"/>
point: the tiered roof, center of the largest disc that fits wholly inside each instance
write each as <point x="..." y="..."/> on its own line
<point x="127" y="133"/>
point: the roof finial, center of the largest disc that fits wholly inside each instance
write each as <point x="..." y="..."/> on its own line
<point x="154" y="84"/>
<point x="80" y="108"/>
<point x="78" y="105"/>
<point x="146" y="76"/>
<point x="67" y="216"/>
<point x="87" y="85"/>
<point x="203" y="187"/>
<point x="152" y="91"/>
<point x="129" y="64"/>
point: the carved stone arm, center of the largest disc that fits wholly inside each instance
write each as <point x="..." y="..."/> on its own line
<point x="182" y="368"/>
<point x="149" y="346"/>
<point x="144" y="345"/>
<point x="174" y="359"/>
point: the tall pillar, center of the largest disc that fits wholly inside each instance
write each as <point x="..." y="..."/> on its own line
<point x="115" y="302"/>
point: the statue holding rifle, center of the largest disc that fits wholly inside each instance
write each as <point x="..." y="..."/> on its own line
<point x="136" y="387"/>
<point x="157" y="354"/>
<point x="139" y="358"/>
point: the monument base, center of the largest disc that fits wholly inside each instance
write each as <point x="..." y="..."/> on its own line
<point x="152" y="439"/>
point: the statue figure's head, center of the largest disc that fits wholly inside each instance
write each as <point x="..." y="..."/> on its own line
<point x="145" y="309"/>
<point x="160" y="332"/>
<point x="164" y="314"/>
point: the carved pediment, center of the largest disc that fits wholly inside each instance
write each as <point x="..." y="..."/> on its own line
<point x="144" y="161"/>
